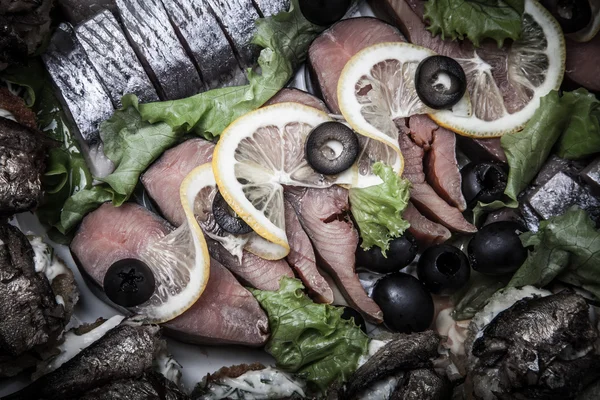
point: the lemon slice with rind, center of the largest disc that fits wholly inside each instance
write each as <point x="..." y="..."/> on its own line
<point x="531" y="67"/>
<point x="377" y="87"/>
<point x="203" y="179"/>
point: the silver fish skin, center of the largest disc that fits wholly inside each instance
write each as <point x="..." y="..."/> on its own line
<point x="114" y="60"/>
<point x="238" y="20"/>
<point x="83" y="96"/>
<point x="199" y="29"/>
<point x="156" y="43"/>
<point x="272" y="7"/>
<point x="151" y="385"/>
<point x="78" y="11"/>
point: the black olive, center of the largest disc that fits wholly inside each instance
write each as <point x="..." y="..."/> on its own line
<point x="226" y="218"/>
<point x="349" y="313"/>
<point x="440" y="82"/>
<point x="484" y="182"/>
<point x="324" y="12"/>
<point x="496" y="249"/>
<point x="320" y="151"/>
<point x="407" y="306"/>
<point x="402" y="252"/>
<point x="443" y="269"/>
<point x="129" y="282"/>
<point x="572" y="15"/>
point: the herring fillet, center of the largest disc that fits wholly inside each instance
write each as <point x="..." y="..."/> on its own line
<point x="113" y="59"/>
<point x="80" y="90"/>
<point x="272" y="7"/>
<point x="238" y="19"/>
<point x="155" y="41"/>
<point x="199" y="29"/>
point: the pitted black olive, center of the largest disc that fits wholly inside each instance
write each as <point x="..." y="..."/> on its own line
<point x="226" y="217"/>
<point x="572" y="15"/>
<point x="483" y="182"/>
<point x="402" y="252"/>
<point x="129" y="282"/>
<point x="497" y="249"/>
<point x="331" y="148"/>
<point x="324" y="12"/>
<point x="443" y="269"/>
<point x="440" y="82"/>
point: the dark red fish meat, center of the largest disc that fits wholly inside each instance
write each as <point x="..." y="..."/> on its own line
<point x="425" y="231"/>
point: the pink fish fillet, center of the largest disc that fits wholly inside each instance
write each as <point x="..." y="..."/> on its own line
<point x="330" y="52"/>
<point x="297" y="96"/>
<point x="425" y="231"/>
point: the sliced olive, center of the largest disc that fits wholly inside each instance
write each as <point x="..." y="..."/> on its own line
<point x="351" y="313"/>
<point x="226" y="217"/>
<point x="324" y="12"/>
<point x="496" y="249"/>
<point x="402" y="251"/>
<point x="129" y="282"/>
<point x="483" y="182"/>
<point x="443" y="269"/>
<point x="331" y="148"/>
<point x="572" y="15"/>
<point x="440" y="82"/>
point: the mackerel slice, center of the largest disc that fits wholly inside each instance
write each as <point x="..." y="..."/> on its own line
<point x="199" y="29"/>
<point x="238" y="19"/>
<point x="272" y="7"/>
<point x="82" y="94"/>
<point x="114" y="60"/>
<point x="154" y="40"/>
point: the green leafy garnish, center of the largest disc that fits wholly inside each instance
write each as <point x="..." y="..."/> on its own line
<point x="309" y="339"/>
<point x="475" y="20"/>
<point x="582" y="135"/>
<point x="378" y="209"/>
<point x="476" y="294"/>
<point x="566" y="247"/>
<point x="138" y="134"/>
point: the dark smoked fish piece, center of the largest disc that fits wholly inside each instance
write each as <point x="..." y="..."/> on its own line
<point x="84" y="98"/>
<point x="114" y="60"/>
<point x="238" y="20"/>
<point x="423" y="384"/>
<point x="151" y="385"/>
<point x="272" y="7"/>
<point x="159" y="49"/>
<point x="78" y="11"/>
<point x="199" y="29"/>
<point x="124" y="352"/>
<point x="406" y="352"/>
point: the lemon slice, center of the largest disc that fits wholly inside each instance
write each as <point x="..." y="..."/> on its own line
<point x="180" y="263"/>
<point x="377" y="87"/>
<point x="533" y="66"/>
<point x="203" y="179"/>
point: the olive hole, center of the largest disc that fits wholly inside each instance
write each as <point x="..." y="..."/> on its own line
<point x="442" y="82"/>
<point x="130" y="281"/>
<point x="332" y="149"/>
<point x="448" y="264"/>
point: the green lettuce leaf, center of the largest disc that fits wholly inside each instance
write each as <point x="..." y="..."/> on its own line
<point x="138" y="134"/>
<point x="566" y="247"/>
<point x="475" y="20"/>
<point x="582" y="136"/>
<point x="309" y="339"/>
<point x="378" y="209"/>
<point x="476" y="294"/>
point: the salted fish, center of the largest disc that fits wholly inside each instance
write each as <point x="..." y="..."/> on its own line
<point x="199" y="29"/>
<point x="155" y="42"/>
<point x="272" y="7"/>
<point x="238" y="20"/>
<point x="114" y="60"/>
<point x="83" y="96"/>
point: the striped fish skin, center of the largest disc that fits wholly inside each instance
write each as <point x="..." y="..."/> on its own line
<point x="159" y="49"/>
<point x="272" y="7"/>
<point x="82" y="94"/>
<point x="238" y="19"/>
<point x="114" y="60"/>
<point x="199" y="28"/>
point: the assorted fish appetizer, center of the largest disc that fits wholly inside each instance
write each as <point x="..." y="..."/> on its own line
<point x="394" y="199"/>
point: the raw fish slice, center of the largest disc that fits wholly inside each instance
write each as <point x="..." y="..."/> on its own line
<point x="78" y="11"/>
<point x="159" y="49"/>
<point x="442" y="167"/>
<point x="482" y="150"/>
<point x="330" y="52"/>
<point x="272" y="7"/>
<point x="302" y="258"/>
<point x="583" y="63"/>
<point x="334" y="238"/>
<point x="234" y="314"/>
<point x="238" y="20"/>
<point x="200" y="31"/>
<point x="252" y="270"/>
<point x="82" y="94"/>
<point x="425" y="231"/>
<point x="163" y="179"/>
<point x="114" y="60"/>
<point x="297" y="96"/>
